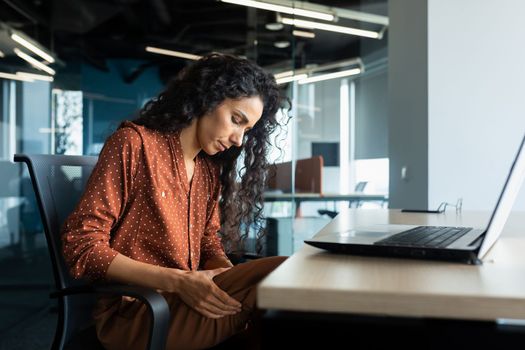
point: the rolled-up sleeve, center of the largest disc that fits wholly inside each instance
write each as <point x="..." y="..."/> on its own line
<point x="86" y="232"/>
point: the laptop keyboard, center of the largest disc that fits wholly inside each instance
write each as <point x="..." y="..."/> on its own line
<point x="426" y="236"/>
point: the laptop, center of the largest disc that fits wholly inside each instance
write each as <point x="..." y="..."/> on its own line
<point x="461" y="244"/>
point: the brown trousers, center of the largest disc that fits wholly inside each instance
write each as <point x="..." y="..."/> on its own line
<point x="123" y="323"/>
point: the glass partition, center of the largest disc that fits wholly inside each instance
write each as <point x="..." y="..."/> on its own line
<point x="25" y="273"/>
<point x="338" y="129"/>
<point x="330" y="153"/>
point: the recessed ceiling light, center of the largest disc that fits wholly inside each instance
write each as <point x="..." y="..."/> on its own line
<point x="291" y="10"/>
<point x="4" y="75"/>
<point x="328" y="76"/>
<point x="274" y="26"/>
<point x="180" y="54"/>
<point x="26" y="42"/>
<point x="34" y="62"/>
<point x="290" y="78"/>
<point x="303" y="34"/>
<point x="281" y="44"/>
<point x="330" y="27"/>
<point x="35" y="76"/>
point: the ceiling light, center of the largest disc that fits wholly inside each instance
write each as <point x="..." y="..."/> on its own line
<point x="337" y="65"/>
<point x="282" y="44"/>
<point x="303" y="34"/>
<point x="26" y="42"/>
<point x="330" y="27"/>
<point x="302" y="74"/>
<point x="274" y="26"/>
<point x="4" y="75"/>
<point x="35" y="63"/>
<point x="172" y="53"/>
<point x="283" y="9"/>
<point x="327" y="76"/>
<point x="362" y="16"/>
<point x="35" y="76"/>
<point x="290" y="78"/>
<point x="283" y="74"/>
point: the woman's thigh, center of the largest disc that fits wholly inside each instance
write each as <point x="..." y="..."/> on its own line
<point x="126" y="325"/>
<point x="191" y="330"/>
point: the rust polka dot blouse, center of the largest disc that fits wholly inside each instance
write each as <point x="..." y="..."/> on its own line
<point x="138" y="203"/>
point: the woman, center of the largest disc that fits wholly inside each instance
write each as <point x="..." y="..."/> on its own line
<point x="163" y="187"/>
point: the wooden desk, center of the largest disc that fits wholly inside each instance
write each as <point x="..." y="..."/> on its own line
<point x="317" y="281"/>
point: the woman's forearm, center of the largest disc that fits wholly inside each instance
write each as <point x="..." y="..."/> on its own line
<point x="126" y="270"/>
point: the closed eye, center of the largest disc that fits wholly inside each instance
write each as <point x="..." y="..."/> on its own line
<point x="241" y="120"/>
<point x="235" y="120"/>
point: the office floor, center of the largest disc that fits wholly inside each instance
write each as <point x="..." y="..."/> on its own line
<point x="27" y="317"/>
<point x="35" y="331"/>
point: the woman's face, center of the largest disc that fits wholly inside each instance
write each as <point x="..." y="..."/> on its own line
<point x="226" y="125"/>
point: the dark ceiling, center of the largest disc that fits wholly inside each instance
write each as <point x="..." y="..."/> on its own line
<point x="94" y="31"/>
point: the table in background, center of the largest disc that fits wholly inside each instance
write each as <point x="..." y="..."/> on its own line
<point x="298" y="198"/>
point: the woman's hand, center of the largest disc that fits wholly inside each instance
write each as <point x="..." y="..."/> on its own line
<point x="198" y="291"/>
<point x="195" y="288"/>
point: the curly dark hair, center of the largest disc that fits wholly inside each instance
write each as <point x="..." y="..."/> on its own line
<point x="200" y="88"/>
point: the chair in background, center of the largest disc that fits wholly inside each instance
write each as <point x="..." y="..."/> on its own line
<point x="58" y="182"/>
<point x="359" y="188"/>
<point x="308" y="176"/>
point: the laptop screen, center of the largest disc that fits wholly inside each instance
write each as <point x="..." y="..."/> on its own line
<point x="505" y="201"/>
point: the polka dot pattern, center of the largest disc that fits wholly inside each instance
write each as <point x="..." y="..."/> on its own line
<point x="138" y="202"/>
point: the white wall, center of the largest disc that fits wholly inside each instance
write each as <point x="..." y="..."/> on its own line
<point x="476" y="103"/>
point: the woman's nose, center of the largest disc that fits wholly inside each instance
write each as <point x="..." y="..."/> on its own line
<point x="236" y="138"/>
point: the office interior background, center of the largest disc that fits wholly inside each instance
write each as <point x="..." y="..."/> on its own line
<point x="427" y="107"/>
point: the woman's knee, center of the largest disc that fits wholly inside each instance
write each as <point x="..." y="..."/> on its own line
<point x="272" y="262"/>
<point x="247" y="275"/>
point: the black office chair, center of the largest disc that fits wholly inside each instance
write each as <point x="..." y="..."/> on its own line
<point x="58" y="182"/>
<point x="359" y="188"/>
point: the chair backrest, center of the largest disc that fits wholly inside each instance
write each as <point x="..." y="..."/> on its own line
<point x="58" y="182"/>
<point x="360" y="186"/>
<point x="308" y="176"/>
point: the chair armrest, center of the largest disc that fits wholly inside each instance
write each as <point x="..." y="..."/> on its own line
<point x="156" y="303"/>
